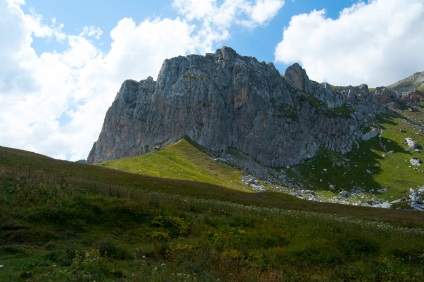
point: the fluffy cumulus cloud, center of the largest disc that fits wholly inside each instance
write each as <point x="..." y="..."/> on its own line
<point x="215" y="18"/>
<point x="376" y="43"/>
<point x="54" y="103"/>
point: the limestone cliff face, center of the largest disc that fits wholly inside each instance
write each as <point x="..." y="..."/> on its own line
<point x="225" y="100"/>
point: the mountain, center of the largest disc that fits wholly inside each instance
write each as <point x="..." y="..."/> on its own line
<point x="225" y="101"/>
<point x="408" y="91"/>
<point x="409" y="84"/>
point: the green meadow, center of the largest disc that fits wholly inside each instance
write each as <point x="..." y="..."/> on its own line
<point x="379" y="163"/>
<point x="63" y="221"/>
<point x="181" y="160"/>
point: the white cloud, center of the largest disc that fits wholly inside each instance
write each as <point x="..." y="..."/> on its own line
<point x="94" y="31"/>
<point x="54" y="103"/>
<point x="139" y="50"/>
<point x="195" y="9"/>
<point x="376" y="43"/>
<point x="13" y="49"/>
<point x="216" y="18"/>
<point x="264" y="10"/>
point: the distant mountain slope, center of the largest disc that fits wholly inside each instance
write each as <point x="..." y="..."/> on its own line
<point x="411" y="83"/>
<point x="181" y="160"/>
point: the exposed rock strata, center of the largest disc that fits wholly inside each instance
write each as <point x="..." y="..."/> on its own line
<point x="225" y="100"/>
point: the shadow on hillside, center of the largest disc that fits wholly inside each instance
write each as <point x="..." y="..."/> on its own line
<point x="354" y="171"/>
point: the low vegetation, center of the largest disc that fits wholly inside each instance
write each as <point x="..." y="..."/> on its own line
<point x="286" y="111"/>
<point x="343" y="111"/>
<point x="181" y="160"/>
<point x="195" y="76"/>
<point x="380" y="163"/>
<point x="62" y="221"/>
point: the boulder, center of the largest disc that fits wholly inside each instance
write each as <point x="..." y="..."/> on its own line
<point x="415" y="161"/>
<point x="411" y="143"/>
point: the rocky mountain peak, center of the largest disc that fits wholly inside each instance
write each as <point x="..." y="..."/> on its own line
<point x="296" y="76"/>
<point x="227" y="101"/>
<point x="227" y="54"/>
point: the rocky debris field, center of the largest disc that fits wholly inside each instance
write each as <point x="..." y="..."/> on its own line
<point x="357" y="197"/>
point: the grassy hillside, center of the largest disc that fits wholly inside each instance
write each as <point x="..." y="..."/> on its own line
<point x="62" y="221"/>
<point x="181" y="160"/>
<point x="380" y="163"/>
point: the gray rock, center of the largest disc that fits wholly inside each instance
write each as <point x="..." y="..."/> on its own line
<point x="417" y="206"/>
<point x="258" y="188"/>
<point x="415" y="161"/>
<point x="344" y="194"/>
<point x="369" y="135"/>
<point x="411" y="143"/>
<point x="225" y="100"/>
<point x="384" y="205"/>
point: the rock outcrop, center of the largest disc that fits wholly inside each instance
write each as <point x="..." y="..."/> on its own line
<point x="224" y="100"/>
<point x="396" y="99"/>
<point x="409" y="84"/>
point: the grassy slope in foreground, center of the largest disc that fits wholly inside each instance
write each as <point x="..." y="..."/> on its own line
<point x="62" y="221"/>
<point x="181" y="160"/>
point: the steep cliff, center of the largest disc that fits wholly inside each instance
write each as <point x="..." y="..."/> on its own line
<point x="224" y="100"/>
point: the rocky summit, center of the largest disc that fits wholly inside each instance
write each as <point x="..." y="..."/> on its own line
<point x="227" y="101"/>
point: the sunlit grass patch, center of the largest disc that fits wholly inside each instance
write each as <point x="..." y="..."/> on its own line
<point x="181" y="160"/>
<point x="381" y="163"/>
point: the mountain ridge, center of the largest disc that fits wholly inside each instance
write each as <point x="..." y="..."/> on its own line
<point x="224" y="100"/>
<point x="411" y="83"/>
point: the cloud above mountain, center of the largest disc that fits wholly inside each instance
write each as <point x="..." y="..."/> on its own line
<point x="375" y="43"/>
<point x="54" y="102"/>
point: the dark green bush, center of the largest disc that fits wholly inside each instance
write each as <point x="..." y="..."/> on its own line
<point x="107" y="248"/>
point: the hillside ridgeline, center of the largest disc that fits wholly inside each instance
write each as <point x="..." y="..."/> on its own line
<point x="224" y="100"/>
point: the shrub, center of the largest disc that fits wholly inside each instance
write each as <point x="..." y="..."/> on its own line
<point x="107" y="248"/>
<point x="359" y="247"/>
<point x="173" y="226"/>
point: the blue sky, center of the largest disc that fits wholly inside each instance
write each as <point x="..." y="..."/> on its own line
<point x="259" y="42"/>
<point x="62" y="61"/>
